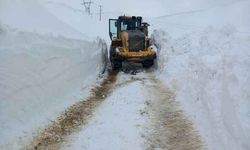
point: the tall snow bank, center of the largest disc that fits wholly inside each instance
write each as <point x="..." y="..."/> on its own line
<point x="209" y="70"/>
<point x="40" y="75"/>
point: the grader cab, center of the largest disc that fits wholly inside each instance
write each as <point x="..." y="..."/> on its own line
<point x="130" y="42"/>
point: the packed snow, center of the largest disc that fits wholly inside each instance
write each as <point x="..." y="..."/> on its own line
<point x="50" y="56"/>
<point x="118" y="123"/>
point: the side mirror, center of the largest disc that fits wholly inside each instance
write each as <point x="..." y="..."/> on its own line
<point x="145" y="24"/>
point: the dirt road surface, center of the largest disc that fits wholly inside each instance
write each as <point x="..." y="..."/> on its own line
<point x="129" y="110"/>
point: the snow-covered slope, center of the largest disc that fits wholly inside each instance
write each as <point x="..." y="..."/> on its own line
<point x="204" y="57"/>
<point x="197" y="15"/>
<point x="30" y="15"/>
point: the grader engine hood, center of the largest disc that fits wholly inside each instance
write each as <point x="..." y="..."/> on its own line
<point x="135" y="40"/>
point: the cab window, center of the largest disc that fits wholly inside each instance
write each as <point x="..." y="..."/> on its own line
<point x="113" y="28"/>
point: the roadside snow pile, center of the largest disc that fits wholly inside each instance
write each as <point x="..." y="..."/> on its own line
<point x="209" y="70"/>
<point x="40" y="75"/>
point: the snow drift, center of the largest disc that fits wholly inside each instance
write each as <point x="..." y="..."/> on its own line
<point x="210" y="72"/>
<point x="45" y="66"/>
<point x="204" y="57"/>
<point x="40" y="75"/>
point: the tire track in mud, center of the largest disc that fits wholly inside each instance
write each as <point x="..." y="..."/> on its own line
<point x="73" y="118"/>
<point x="169" y="127"/>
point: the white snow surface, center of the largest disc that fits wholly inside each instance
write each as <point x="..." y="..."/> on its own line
<point x="203" y="54"/>
<point x="41" y="75"/>
<point x="118" y="123"/>
<point x="209" y="70"/>
<point x="30" y="15"/>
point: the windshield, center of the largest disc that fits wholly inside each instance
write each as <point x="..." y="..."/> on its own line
<point x="131" y="24"/>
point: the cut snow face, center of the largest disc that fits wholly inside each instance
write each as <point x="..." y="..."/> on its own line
<point x="209" y="68"/>
<point x="210" y="72"/>
<point x="40" y="75"/>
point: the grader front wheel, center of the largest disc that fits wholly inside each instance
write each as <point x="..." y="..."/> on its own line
<point x="148" y="63"/>
<point x="116" y="65"/>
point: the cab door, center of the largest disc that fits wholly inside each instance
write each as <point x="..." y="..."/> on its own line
<point x="113" y="29"/>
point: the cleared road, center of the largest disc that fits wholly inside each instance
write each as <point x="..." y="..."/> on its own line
<point x="126" y="111"/>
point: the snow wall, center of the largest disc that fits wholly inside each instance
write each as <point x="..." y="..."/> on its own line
<point x="40" y="75"/>
<point x="209" y="71"/>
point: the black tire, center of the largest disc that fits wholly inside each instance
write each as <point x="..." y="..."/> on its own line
<point x="112" y="53"/>
<point x="116" y="65"/>
<point x="148" y="63"/>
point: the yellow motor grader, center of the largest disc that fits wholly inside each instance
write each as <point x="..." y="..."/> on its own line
<point x="130" y="42"/>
